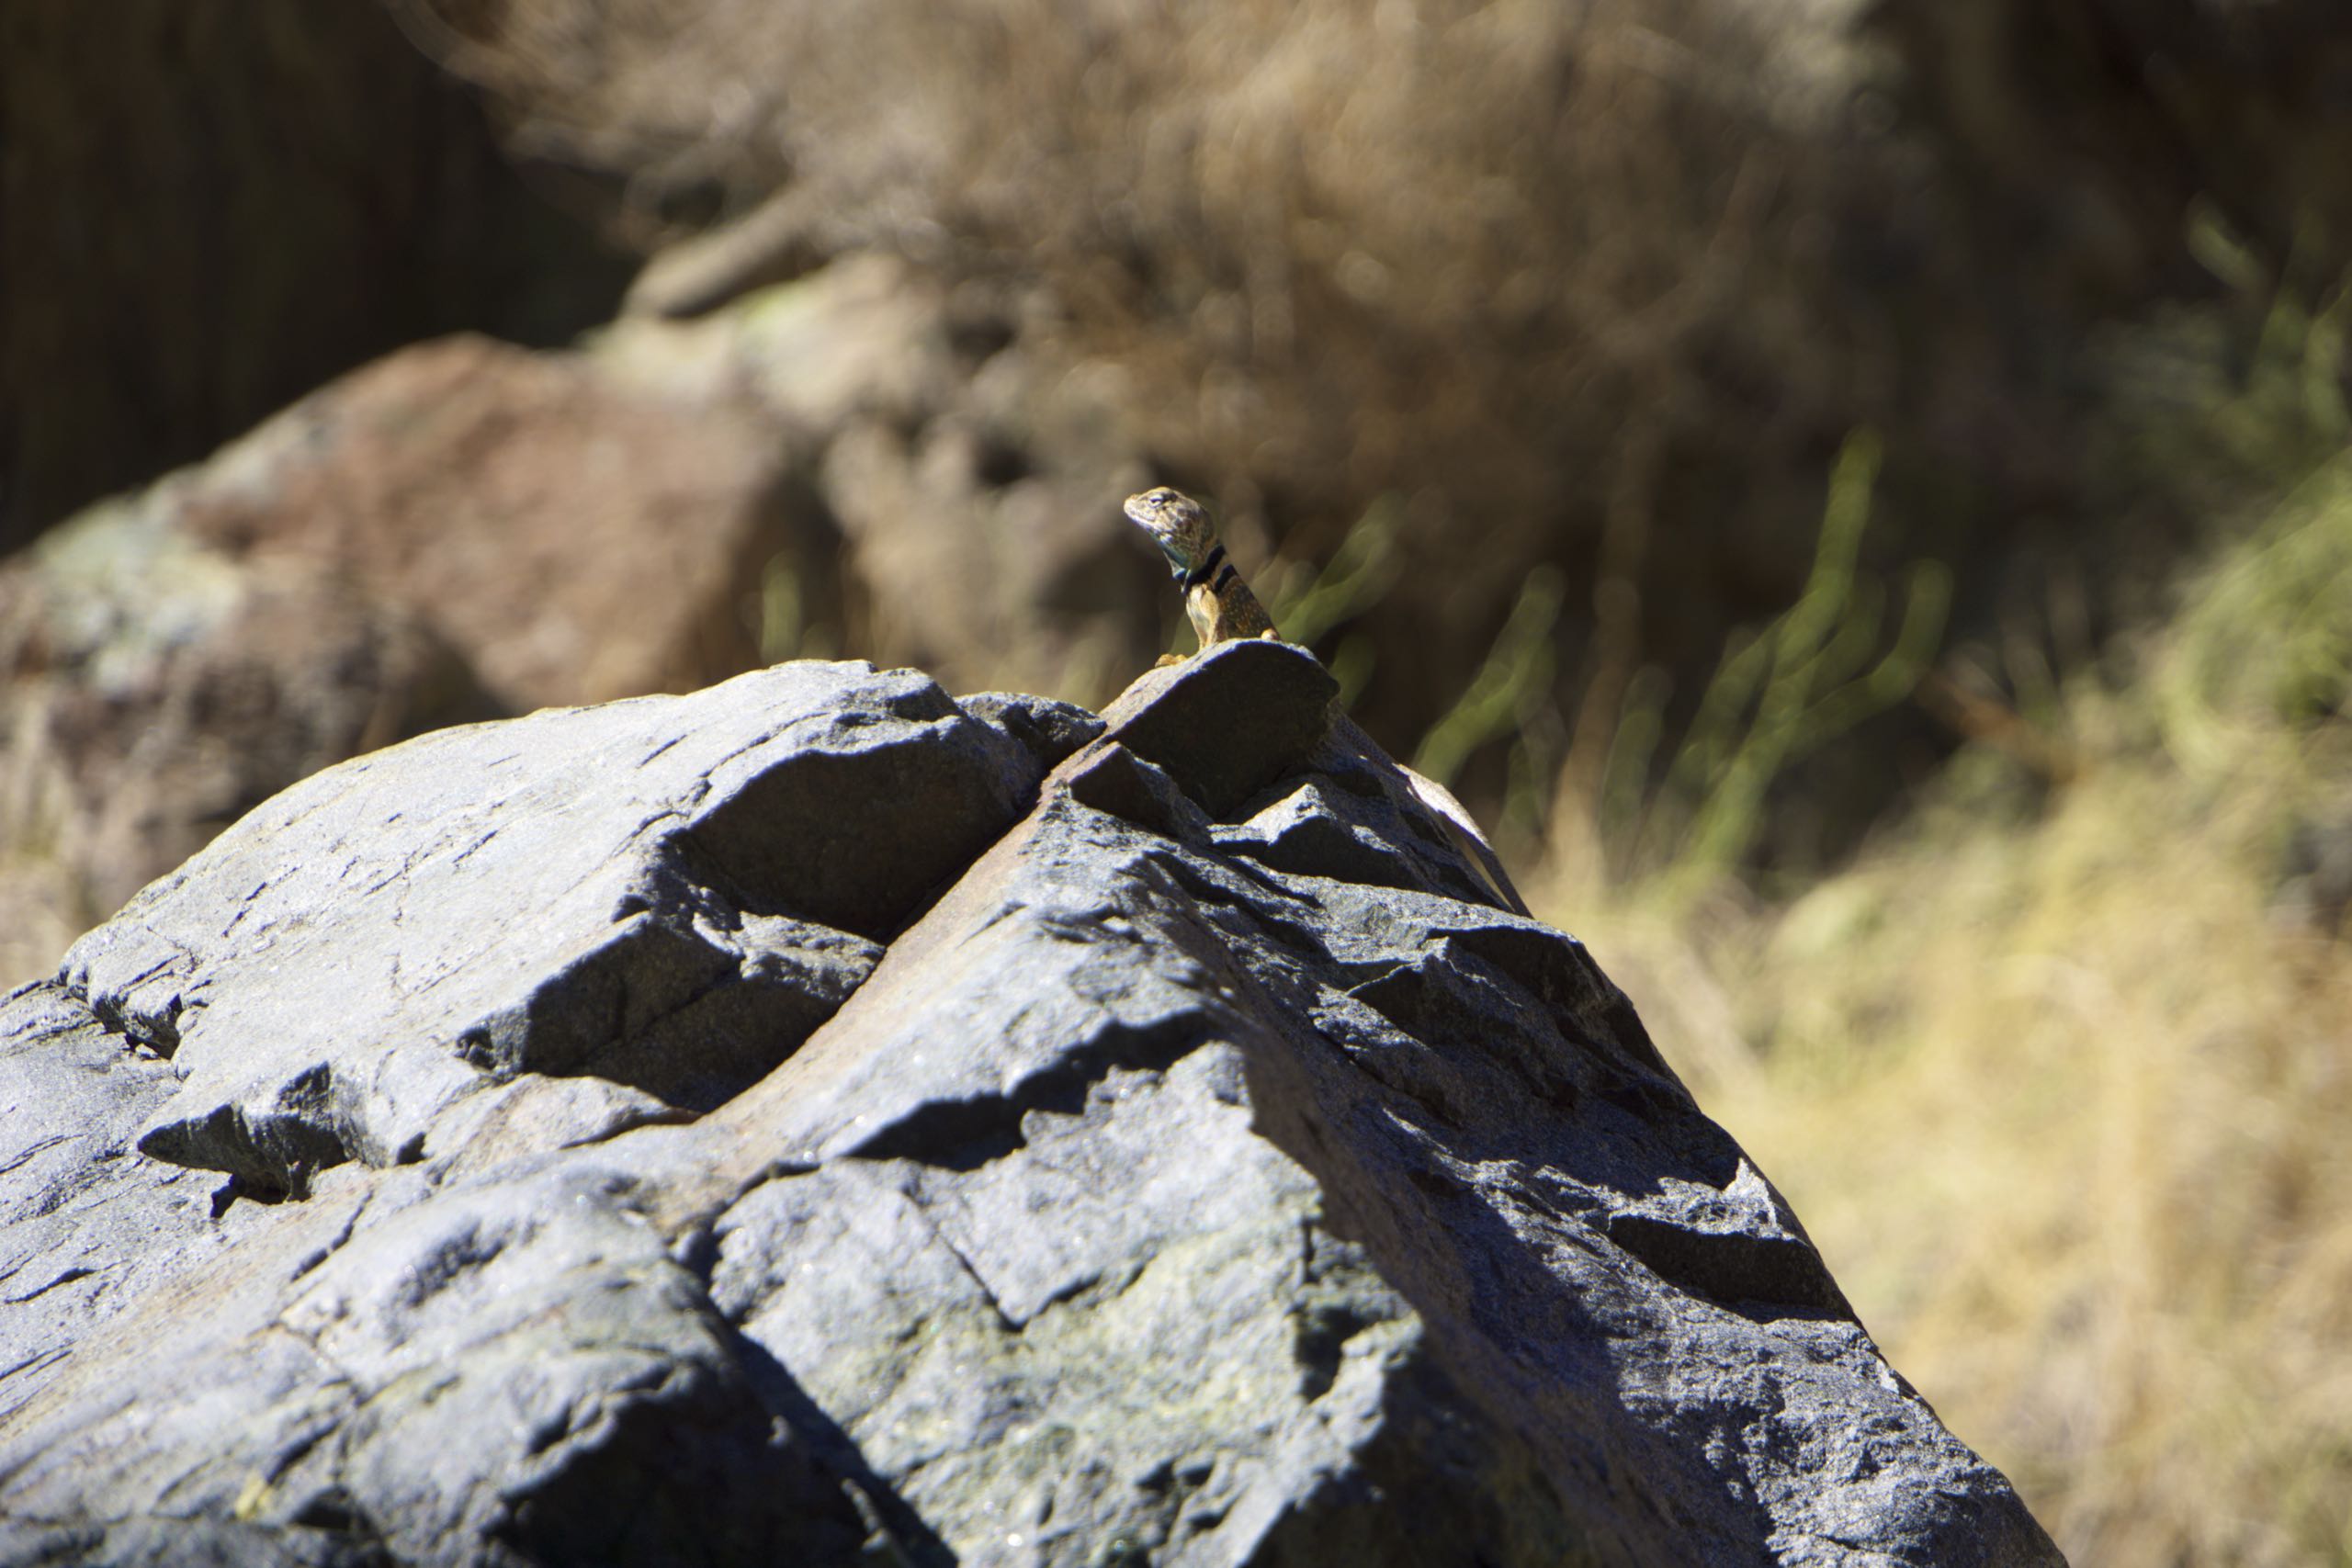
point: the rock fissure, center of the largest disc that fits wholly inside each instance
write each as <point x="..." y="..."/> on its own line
<point x="64" y="1277"/>
<point x="34" y="1363"/>
<point x="34" y="1150"/>
<point x="341" y="1239"/>
<point x="964" y="1133"/>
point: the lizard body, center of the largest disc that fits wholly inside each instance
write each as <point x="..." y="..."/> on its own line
<point x="1216" y="601"/>
<point x="1222" y="609"/>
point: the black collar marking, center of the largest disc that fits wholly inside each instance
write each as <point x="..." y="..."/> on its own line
<point x="1206" y="570"/>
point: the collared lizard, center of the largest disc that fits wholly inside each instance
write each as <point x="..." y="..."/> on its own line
<point x="1220" y="605"/>
<point x="1222" y="609"/>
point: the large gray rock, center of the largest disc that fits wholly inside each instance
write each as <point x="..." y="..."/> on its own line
<point x="1191" y="1165"/>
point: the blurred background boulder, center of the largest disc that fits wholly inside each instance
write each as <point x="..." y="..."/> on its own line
<point x="157" y="690"/>
<point x="1852" y="491"/>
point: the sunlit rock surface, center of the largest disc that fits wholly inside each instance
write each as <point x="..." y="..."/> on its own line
<point x="813" y="1121"/>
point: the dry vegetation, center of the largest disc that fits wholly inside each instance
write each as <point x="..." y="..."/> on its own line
<point x="1566" y="284"/>
<point x="2064" y="1107"/>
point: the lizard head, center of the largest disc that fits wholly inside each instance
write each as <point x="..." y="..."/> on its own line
<point x="1176" y="524"/>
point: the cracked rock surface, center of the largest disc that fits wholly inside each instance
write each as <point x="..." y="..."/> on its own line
<point x="815" y="1120"/>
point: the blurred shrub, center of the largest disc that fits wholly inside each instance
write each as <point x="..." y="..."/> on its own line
<point x="1825" y="665"/>
<point x="1600" y="286"/>
<point x="1569" y="285"/>
<point x="2077" y="133"/>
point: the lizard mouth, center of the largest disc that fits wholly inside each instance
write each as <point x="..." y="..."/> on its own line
<point x="1158" y="513"/>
